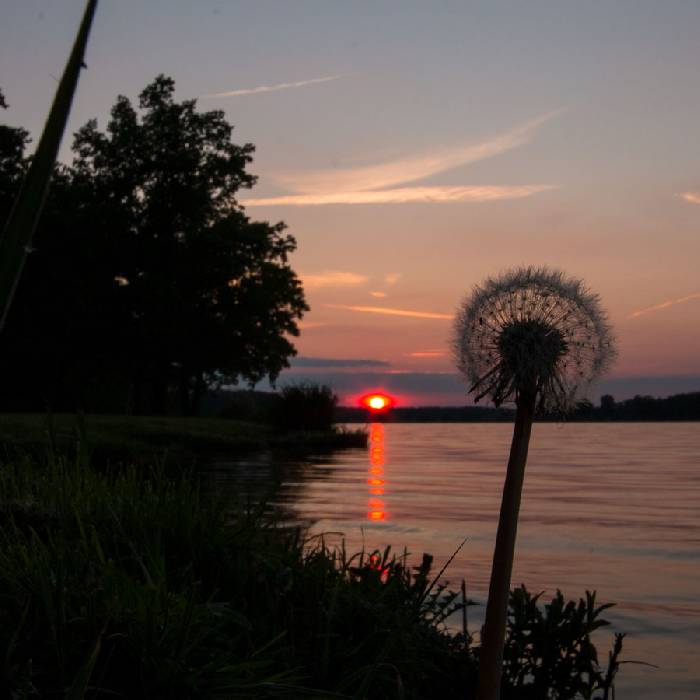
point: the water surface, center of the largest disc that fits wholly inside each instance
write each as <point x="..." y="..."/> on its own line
<point x="606" y="507"/>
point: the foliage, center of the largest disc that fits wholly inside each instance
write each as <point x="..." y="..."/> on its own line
<point x="137" y="584"/>
<point x="549" y="653"/>
<point x="305" y="406"/>
<point x="150" y="283"/>
<point x="141" y="439"/>
<point x="18" y="230"/>
<point x="12" y="144"/>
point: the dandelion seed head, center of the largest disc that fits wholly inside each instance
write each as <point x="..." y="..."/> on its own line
<point x="532" y="329"/>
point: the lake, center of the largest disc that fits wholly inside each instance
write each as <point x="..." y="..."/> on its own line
<point x="611" y="507"/>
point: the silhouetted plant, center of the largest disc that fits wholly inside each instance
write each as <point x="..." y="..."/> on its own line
<point x="305" y="407"/>
<point x="549" y="652"/>
<point x="535" y="337"/>
<point x="128" y="583"/>
<point x="18" y="230"/>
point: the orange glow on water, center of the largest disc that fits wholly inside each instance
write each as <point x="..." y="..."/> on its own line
<point x="375" y="508"/>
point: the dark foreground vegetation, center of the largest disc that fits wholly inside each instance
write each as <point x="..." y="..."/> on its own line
<point x="112" y="439"/>
<point x="132" y="584"/>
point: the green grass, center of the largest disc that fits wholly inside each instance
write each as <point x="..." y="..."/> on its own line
<point x="129" y="583"/>
<point x="139" y="438"/>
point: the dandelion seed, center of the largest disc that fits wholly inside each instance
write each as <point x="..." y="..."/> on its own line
<point x="540" y="359"/>
<point x="534" y="344"/>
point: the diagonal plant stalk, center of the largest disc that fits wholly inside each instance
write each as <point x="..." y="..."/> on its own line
<point x="494" y="630"/>
<point x="536" y="337"/>
<point x="17" y="234"/>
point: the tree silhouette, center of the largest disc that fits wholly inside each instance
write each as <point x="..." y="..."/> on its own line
<point x="159" y="279"/>
<point x="12" y="144"/>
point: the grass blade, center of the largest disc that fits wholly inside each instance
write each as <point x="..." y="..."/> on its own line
<point x="17" y="234"/>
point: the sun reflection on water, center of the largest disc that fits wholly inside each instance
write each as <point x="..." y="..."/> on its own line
<point x="376" y="509"/>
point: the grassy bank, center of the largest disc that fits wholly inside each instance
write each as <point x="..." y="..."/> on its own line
<point x="139" y="438"/>
<point x="129" y="583"/>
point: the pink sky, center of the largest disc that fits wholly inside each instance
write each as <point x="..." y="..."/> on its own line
<point x="414" y="150"/>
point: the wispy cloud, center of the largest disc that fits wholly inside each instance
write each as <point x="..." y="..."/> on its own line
<point x="333" y="278"/>
<point x="390" y="312"/>
<point x="272" y="88"/>
<point x="411" y="168"/>
<point x="692" y="197"/>
<point x="403" y="195"/>
<point x="427" y="353"/>
<point x="391" y="278"/>
<point x="665" y="304"/>
<point x="378" y="295"/>
<point x="310" y="325"/>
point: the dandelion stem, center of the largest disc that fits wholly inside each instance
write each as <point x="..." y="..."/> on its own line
<point x="494" y="630"/>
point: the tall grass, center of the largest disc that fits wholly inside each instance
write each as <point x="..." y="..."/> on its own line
<point x="16" y="238"/>
<point x="133" y="583"/>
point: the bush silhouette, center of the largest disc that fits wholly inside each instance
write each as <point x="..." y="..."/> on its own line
<point x="305" y="407"/>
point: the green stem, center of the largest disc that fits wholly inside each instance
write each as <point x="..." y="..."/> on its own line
<point x="494" y="630"/>
<point x="17" y="234"/>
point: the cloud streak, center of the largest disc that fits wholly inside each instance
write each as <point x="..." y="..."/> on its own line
<point x="665" y="304"/>
<point x="692" y="197"/>
<point x="403" y="195"/>
<point x="390" y="312"/>
<point x="402" y="170"/>
<point x="333" y="278"/>
<point x="427" y="353"/>
<point x="271" y="88"/>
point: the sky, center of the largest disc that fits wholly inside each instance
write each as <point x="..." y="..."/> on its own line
<point x="416" y="148"/>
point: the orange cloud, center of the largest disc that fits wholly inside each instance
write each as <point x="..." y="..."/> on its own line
<point x="665" y="304"/>
<point x="271" y="88"/>
<point x="427" y="353"/>
<point x="692" y="197"/>
<point x="378" y="295"/>
<point x="403" y="195"/>
<point x="333" y="278"/>
<point x="392" y="278"/>
<point x="390" y="312"/>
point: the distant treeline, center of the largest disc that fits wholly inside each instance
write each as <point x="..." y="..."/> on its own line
<point x="640" y="408"/>
<point x="676" y="407"/>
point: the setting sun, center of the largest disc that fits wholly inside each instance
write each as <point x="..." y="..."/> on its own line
<point x="377" y="402"/>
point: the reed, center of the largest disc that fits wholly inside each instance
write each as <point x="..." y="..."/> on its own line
<point x="17" y="234"/>
<point x="133" y="582"/>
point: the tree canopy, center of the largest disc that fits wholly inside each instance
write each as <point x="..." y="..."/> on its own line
<point x="149" y="277"/>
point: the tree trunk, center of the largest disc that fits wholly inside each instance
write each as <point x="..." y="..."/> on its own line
<point x="159" y="399"/>
<point x="494" y="630"/>
<point x="197" y="393"/>
<point x="185" y="406"/>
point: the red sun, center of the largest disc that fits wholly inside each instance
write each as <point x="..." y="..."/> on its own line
<point x="377" y="402"/>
